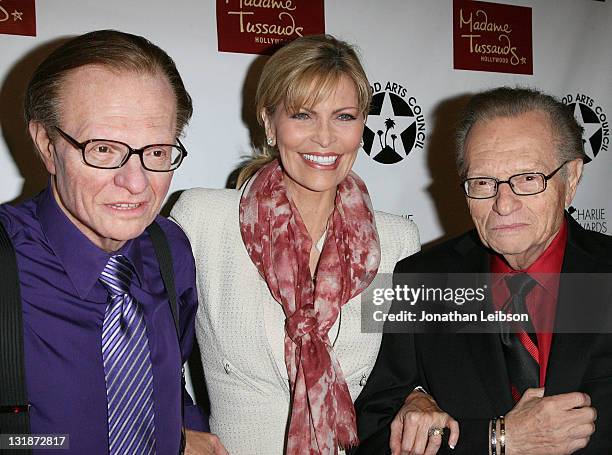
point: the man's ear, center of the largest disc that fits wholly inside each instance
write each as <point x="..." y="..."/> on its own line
<point x="574" y="172"/>
<point x="44" y="145"/>
<point x="270" y="130"/>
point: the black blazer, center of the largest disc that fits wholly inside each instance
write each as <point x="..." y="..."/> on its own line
<point x="466" y="373"/>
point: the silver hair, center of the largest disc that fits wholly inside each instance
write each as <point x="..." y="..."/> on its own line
<point x="512" y="102"/>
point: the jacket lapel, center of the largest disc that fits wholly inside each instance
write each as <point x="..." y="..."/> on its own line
<point x="486" y="351"/>
<point x="485" y="348"/>
<point x="567" y="359"/>
<point x="568" y="353"/>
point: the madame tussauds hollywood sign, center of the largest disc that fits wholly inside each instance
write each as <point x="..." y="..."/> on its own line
<point x="259" y="26"/>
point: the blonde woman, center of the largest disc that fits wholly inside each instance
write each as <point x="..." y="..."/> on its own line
<point x="282" y="262"/>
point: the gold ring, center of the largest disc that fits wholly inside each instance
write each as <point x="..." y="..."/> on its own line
<point x="436" y="431"/>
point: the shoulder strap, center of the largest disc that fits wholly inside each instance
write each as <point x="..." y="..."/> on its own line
<point x="164" y="257"/>
<point x="13" y="394"/>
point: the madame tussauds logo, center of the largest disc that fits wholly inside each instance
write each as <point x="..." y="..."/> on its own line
<point x="596" y="136"/>
<point x="261" y="26"/>
<point x="395" y="126"/>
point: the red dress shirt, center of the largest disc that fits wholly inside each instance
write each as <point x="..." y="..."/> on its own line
<point x="542" y="300"/>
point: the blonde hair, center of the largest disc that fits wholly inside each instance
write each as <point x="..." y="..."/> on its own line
<point x="301" y="74"/>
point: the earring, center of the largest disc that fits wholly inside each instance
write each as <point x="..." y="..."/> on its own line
<point x="270" y="141"/>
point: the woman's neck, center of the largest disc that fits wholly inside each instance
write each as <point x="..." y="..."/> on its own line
<point x="315" y="207"/>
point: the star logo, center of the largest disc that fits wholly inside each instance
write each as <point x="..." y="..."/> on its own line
<point x="595" y="137"/>
<point x="17" y="16"/>
<point x="392" y="128"/>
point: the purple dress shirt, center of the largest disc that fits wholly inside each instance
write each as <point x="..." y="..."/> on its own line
<point x="63" y="311"/>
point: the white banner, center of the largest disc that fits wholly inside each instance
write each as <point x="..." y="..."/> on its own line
<point x="407" y="49"/>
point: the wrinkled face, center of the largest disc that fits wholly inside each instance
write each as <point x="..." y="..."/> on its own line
<point x="110" y="206"/>
<point x="518" y="227"/>
<point x="318" y="145"/>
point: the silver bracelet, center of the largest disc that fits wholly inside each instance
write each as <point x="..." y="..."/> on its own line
<point x="502" y="435"/>
<point x="494" y="436"/>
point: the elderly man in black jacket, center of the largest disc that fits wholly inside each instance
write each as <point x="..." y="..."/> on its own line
<point x="539" y="389"/>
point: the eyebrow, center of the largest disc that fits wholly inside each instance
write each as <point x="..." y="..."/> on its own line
<point x="346" y="108"/>
<point x="539" y="167"/>
<point x="334" y="112"/>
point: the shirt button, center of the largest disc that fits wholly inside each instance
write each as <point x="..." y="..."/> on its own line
<point x="227" y="368"/>
<point x="363" y="380"/>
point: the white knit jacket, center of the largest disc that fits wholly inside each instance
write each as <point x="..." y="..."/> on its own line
<point x="240" y="327"/>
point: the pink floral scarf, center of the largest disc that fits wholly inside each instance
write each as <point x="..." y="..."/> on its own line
<point x="322" y="412"/>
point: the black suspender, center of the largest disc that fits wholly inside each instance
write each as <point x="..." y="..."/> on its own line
<point x="162" y="252"/>
<point x="164" y="258"/>
<point x="13" y="395"/>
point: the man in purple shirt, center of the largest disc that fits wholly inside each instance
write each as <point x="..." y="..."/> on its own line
<point x="102" y="360"/>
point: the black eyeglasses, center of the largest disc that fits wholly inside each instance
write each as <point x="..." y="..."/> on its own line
<point x="524" y="184"/>
<point x="107" y="154"/>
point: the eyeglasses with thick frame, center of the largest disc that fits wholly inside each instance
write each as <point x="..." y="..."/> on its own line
<point x="82" y="146"/>
<point x="512" y="183"/>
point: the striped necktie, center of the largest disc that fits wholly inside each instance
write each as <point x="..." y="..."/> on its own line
<point x="519" y="341"/>
<point x="127" y="365"/>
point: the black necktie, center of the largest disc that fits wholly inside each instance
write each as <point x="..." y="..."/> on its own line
<point x="519" y="339"/>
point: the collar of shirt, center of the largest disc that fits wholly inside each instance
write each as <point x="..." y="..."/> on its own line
<point x="544" y="270"/>
<point x="82" y="260"/>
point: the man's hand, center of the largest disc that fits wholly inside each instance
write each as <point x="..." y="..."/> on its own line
<point x="199" y="443"/>
<point x="410" y="427"/>
<point x="559" y="424"/>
